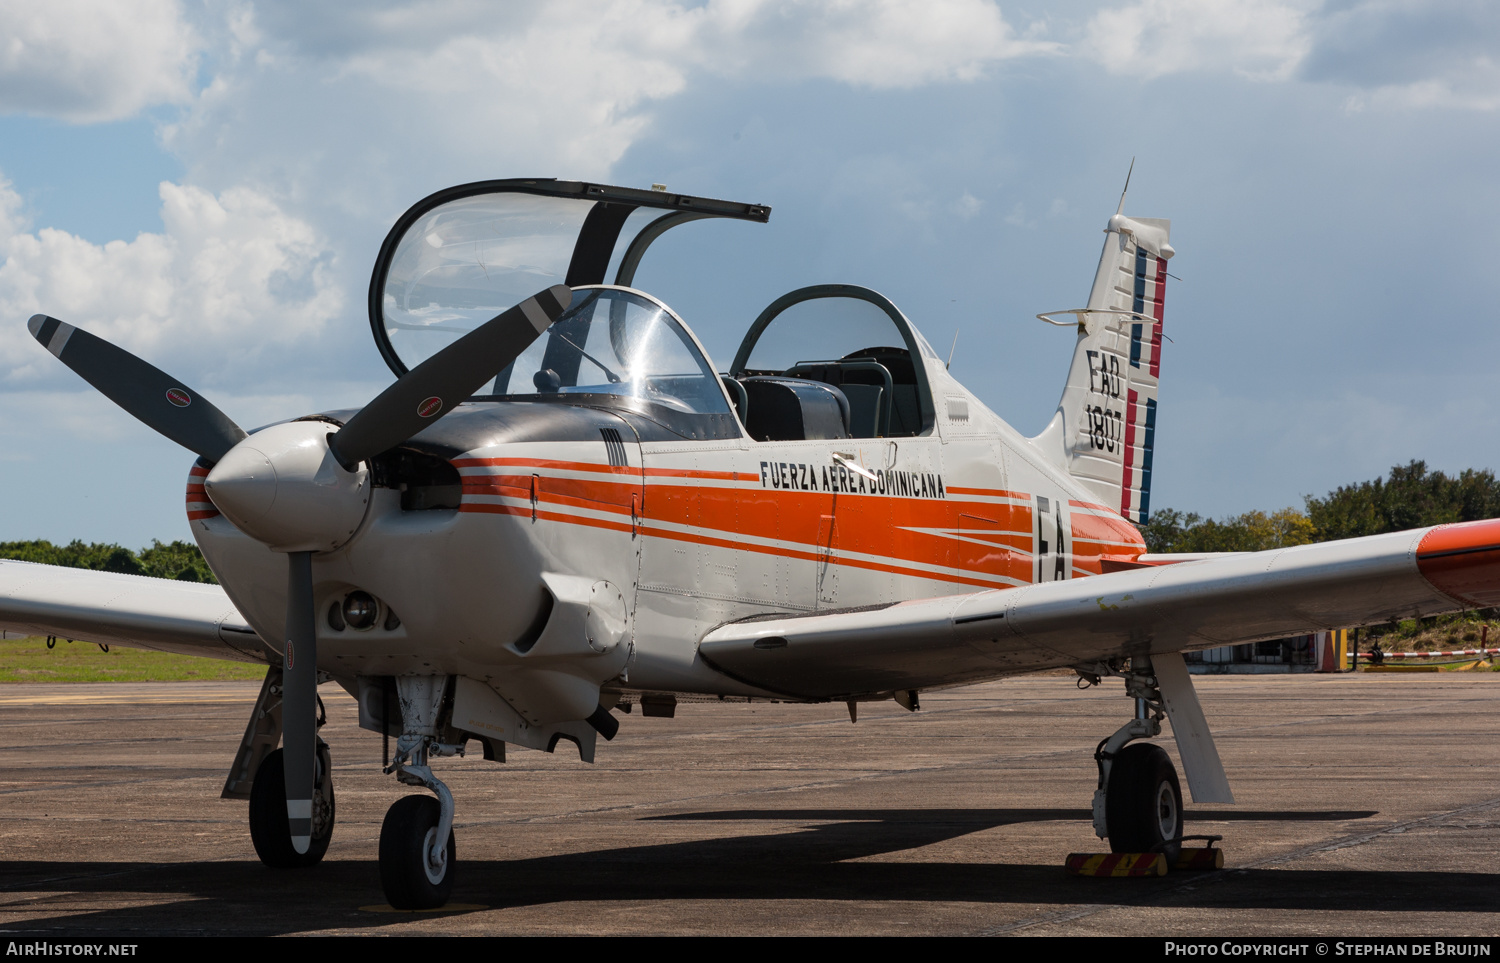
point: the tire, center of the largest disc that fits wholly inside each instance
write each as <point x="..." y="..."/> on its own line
<point x="269" y="829"/>
<point x="410" y="883"/>
<point x="1143" y="802"/>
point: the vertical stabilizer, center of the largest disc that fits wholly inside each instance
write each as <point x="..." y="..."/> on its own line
<point x="1105" y="426"/>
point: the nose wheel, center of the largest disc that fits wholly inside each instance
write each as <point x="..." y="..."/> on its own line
<point x="416" y="839"/>
<point x="415" y="871"/>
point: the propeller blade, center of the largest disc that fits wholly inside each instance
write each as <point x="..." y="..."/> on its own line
<point x="299" y="699"/>
<point x="147" y="392"/>
<point x="435" y="386"/>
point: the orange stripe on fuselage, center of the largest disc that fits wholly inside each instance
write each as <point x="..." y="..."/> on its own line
<point x="616" y="496"/>
<point x="733" y="544"/>
<point x="992" y="540"/>
<point x="551" y="463"/>
<point x="988" y="492"/>
<point x="606" y="469"/>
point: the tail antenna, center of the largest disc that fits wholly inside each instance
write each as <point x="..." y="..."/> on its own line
<point x="1121" y="208"/>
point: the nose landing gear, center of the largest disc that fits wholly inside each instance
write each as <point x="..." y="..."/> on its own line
<point x="416" y="839"/>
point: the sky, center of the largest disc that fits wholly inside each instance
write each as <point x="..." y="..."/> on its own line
<point x="207" y="184"/>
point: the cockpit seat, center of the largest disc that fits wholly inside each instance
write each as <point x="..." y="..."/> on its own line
<point x="795" y="409"/>
<point x="867" y="384"/>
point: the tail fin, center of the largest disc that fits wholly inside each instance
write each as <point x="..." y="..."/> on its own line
<point x="1105" y="424"/>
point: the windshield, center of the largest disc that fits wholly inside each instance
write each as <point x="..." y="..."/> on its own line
<point x="616" y="342"/>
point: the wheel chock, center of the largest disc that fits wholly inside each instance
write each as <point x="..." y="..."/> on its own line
<point x="1199" y="859"/>
<point x="1116" y="864"/>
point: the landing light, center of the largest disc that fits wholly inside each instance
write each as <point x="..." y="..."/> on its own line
<point x="360" y="610"/>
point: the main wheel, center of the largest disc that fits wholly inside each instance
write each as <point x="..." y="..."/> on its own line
<point x="1143" y="802"/>
<point x="269" y="829"/>
<point x="409" y="877"/>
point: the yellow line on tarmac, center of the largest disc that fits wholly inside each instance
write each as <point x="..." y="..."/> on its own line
<point x="123" y="693"/>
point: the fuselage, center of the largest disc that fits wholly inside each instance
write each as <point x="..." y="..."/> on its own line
<point x="482" y="523"/>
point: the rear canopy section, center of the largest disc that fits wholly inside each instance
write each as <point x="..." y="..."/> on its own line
<point x="463" y="255"/>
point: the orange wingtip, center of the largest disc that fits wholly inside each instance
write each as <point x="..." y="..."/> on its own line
<point x="1463" y="561"/>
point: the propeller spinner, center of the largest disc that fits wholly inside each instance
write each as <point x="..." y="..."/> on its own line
<point x="299" y="487"/>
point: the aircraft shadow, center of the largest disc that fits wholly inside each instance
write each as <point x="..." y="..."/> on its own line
<point x="830" y="860"/>
<point x="977" y="819"/>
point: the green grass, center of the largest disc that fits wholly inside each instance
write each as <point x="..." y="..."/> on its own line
<point x="29" y="660"/>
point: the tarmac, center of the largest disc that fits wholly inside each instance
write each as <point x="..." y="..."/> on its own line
<point x="1368" y="805"/>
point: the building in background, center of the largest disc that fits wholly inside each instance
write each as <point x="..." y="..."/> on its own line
<point x="1315" y="652"/>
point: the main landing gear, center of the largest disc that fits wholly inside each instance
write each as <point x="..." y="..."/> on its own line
<point x="259" y="775"/>
<point x="1138" y="803"/>
<point x="270" y="829"/>
<point x="416" y="839"/>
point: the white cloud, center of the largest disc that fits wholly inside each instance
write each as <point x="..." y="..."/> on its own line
<point x="881" y="44"/>
<point x="967" y="206"/>
<point x="562" y="86"/>
<point x="230" y="275"/>
<point x="874" y="43"/>
<point x="1262" y="39"/>
<point x="87" y="60"/>
<point x="1466" y="85"/>
<point x="1433" y="53"/>
<point x="345" y="113"/>
<point x="1395" y="53"/>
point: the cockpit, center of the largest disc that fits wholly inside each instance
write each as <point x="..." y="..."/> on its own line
<point x="831" y="361"/>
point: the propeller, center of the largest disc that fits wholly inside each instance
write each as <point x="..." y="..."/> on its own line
<point x="144" y="390"/>
<point x="296" y="486"/>
<point x="432" y="388"/>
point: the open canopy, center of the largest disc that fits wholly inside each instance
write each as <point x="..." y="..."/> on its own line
<point x="465" y="254"/>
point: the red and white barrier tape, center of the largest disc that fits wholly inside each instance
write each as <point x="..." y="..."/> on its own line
<point x="1430" y="655"/>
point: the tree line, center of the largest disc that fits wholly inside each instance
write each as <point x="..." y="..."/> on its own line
<point x="175" y="560"/>
<point x="1411" y="497"/>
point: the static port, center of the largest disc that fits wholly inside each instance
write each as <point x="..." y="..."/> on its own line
<point x="360" y="610"/>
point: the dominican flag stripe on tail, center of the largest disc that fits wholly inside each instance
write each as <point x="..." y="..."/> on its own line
<point x="1150" y="294"/>
<point x="1140" y="411"/>
<point x="1140" y="437"/>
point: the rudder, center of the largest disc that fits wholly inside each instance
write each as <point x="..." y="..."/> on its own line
<point x="1104" y="430"/>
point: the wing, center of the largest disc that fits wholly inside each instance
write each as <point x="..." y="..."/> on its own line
<point x="189" y="618"/>
<point x="1160" y="608"/>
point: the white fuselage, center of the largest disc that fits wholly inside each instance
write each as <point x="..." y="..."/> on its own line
<point x="690" y="535"/>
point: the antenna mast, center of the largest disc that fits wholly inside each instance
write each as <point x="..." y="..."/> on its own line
<point x="1121" y="208"/>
